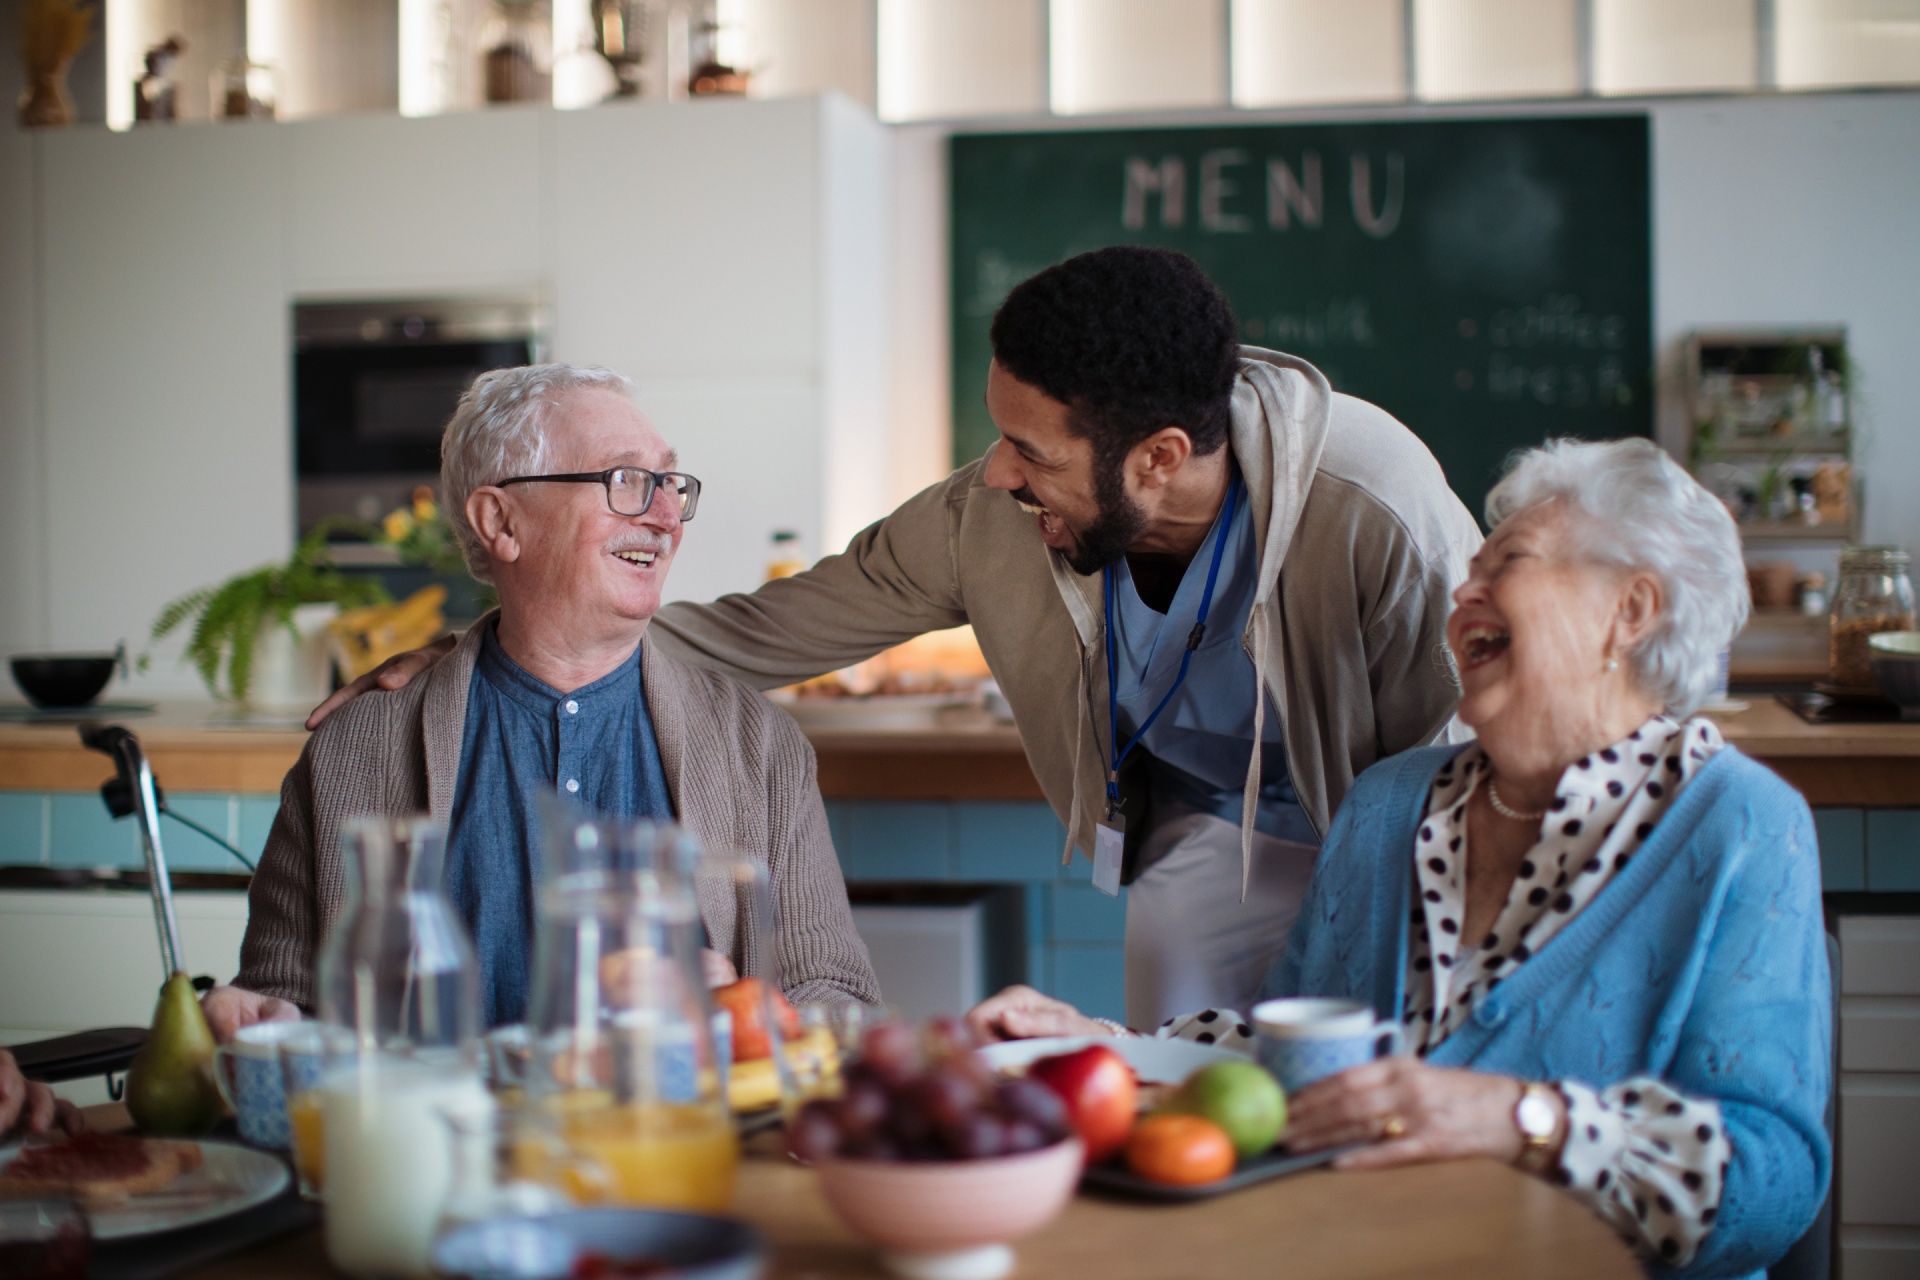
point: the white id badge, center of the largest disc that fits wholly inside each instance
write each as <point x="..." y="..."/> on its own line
<point x="1109" y="847"/>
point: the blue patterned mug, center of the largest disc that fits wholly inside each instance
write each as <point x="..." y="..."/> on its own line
<point x="1302" y="1040"/>
<point x="252" y="1081"/>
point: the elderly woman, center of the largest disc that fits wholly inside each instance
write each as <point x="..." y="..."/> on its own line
<point x="569" y="501"/>
<point x="1599" y="924"/>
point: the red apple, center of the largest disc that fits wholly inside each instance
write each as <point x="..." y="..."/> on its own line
<point x="1100" y="1092"/>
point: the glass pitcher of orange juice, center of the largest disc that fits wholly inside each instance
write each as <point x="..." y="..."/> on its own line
<point x="624" y="1070"/>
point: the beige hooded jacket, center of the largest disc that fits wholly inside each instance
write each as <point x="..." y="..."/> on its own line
<point x="1362" y="545"/>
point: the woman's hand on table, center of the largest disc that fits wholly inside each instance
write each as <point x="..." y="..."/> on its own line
<point x="31" y="1107"/>
<point x="230" y="1008"/>
<point x="1021" y="1013"/>
<point x="396" y="672"/>
<point x="1411" y="1113"/>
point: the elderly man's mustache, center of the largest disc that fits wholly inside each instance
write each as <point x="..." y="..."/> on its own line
<point x="658" y="544"/>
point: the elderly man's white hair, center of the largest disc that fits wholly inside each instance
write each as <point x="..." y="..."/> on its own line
<point x="500" y="431"/>
<point x="1633" y="506"/>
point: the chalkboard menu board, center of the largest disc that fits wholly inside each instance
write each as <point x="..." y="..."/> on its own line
<point x="1488" y="282"/>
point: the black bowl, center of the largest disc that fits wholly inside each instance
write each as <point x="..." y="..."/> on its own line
<point x="63" y="680"/>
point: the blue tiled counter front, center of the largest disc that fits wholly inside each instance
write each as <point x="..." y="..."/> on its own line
<point x="1073" y="939"/>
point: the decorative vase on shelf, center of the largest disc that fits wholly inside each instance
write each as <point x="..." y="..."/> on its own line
<point x="51" y="34"/>
<point x="45" y="101"/>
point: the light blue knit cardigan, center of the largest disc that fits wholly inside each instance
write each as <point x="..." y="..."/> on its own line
<point x="1703" y="963"/>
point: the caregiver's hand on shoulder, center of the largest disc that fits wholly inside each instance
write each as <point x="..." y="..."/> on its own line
<point x="1409" y="1111"/>
<point x="396" y="672"/>
<point x="1021" y="1013"/>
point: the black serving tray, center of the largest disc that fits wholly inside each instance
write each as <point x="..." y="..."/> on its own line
<point x="1117" y="1179"/>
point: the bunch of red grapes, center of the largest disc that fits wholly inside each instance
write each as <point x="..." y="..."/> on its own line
<point x="926" y="1096"/>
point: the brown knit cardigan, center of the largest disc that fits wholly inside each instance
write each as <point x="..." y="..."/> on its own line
<point x="739" y="771"/>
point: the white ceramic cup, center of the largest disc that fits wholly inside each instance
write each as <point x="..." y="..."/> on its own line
<point x="1304" y="1039"/>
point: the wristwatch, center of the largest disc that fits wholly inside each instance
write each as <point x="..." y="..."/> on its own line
<point x="1538" y="1121"/>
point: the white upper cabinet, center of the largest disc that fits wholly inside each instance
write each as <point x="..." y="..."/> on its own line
<point x="685" y="244"/>
<point x="383" y="204"/>
<point x="168" y="457"/>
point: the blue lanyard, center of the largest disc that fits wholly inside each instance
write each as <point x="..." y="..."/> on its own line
<point x="1194" y="637"/>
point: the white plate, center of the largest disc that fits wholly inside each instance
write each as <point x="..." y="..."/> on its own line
<point x="230" y="1180"/>
<point x="874" y="711"/>
<point x="1154" y="1060"/>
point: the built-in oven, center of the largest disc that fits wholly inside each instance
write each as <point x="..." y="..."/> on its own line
<point x="374" y="383"/>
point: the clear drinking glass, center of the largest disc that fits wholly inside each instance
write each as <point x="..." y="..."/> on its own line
<point x="307" y="1053"/>
<point x="624" y="1066"/>
<point x="491" y="1152"/>
<point x="399" y="986"/>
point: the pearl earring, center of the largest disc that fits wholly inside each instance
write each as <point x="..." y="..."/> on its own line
<point x="1613" y="664"/>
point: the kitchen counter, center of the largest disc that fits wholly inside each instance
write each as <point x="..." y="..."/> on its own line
<point x="955" y="754"/>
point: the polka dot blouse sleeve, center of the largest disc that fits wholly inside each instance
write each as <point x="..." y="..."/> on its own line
<point x="1648" y="1160"/>
<point x="1223" y="1027"/>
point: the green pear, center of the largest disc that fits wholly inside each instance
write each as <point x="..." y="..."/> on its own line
<point x="170" y="1088"/>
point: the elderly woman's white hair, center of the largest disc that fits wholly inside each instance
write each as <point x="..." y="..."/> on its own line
<point x="1633" y="506"/>
<point x="499" y="431"/>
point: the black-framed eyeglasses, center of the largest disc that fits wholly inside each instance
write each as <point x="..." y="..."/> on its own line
<point x="630" y="490"/>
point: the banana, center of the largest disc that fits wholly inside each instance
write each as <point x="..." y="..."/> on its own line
<point x="753" y="1085"/>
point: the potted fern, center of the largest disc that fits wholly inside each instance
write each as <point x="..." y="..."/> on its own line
<point x="260" y="636"/>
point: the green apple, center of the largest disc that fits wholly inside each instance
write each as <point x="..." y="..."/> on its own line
<point x="1242" y="1098"/>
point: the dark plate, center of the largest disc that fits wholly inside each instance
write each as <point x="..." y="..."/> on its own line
<point x="750" y="1122"/>
<point x="547" y="1246"/>
<point x="16" y="713"/>
<point x="1862" y="694"/>
<point x="1118" y="1180"/>
<point x="1818" y="708"/>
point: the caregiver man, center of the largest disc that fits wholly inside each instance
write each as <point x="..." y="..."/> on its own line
<point x="1212" y="589"/>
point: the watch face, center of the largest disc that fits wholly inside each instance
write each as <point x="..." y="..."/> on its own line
<point x="1534" y="1115"/>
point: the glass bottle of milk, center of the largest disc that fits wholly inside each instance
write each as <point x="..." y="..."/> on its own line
<point x="398" y="974"/>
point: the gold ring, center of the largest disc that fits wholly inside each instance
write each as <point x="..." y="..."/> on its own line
<point x="1392" y="1127"/>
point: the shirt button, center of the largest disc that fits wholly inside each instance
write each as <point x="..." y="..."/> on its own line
<point x="573" y="784"/>
<point x="573" y="708"/>
<point x="1490" y="1014"/>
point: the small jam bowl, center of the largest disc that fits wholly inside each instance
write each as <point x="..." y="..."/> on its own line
<point x="952" y="1219"/>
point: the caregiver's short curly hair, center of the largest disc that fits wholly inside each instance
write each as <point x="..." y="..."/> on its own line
<point x="1635" y="507"/>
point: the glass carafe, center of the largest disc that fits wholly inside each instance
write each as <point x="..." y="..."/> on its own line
<point x="625" y="1071"/>
<point x="398" y="982"/>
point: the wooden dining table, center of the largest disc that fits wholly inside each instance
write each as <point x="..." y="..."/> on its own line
<point x="1472" y="1219"/>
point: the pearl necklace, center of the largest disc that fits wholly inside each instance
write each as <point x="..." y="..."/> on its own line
<point x="1493" y="798"/>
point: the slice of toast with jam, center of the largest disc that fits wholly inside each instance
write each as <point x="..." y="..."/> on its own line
<point x="98" y="1168"/>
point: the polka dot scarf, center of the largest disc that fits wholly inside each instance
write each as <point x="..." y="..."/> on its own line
<point x="1647" y="1159"/>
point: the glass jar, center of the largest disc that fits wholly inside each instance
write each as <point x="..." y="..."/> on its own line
<point x="399" y="986"/>
<point x="1874" y="594"/>
<point x="516" y="52"/>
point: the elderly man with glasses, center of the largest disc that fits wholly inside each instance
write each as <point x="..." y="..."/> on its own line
<point x="568" y="501"/>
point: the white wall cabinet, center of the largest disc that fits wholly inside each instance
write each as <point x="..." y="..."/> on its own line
<point x="382" y="204"/>
<point x="730" y="256"/>
<point x="167" y="456"/>
<point x="23" y="610"/>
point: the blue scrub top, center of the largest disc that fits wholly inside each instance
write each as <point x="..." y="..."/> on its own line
<point x="1201" y="743"/>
